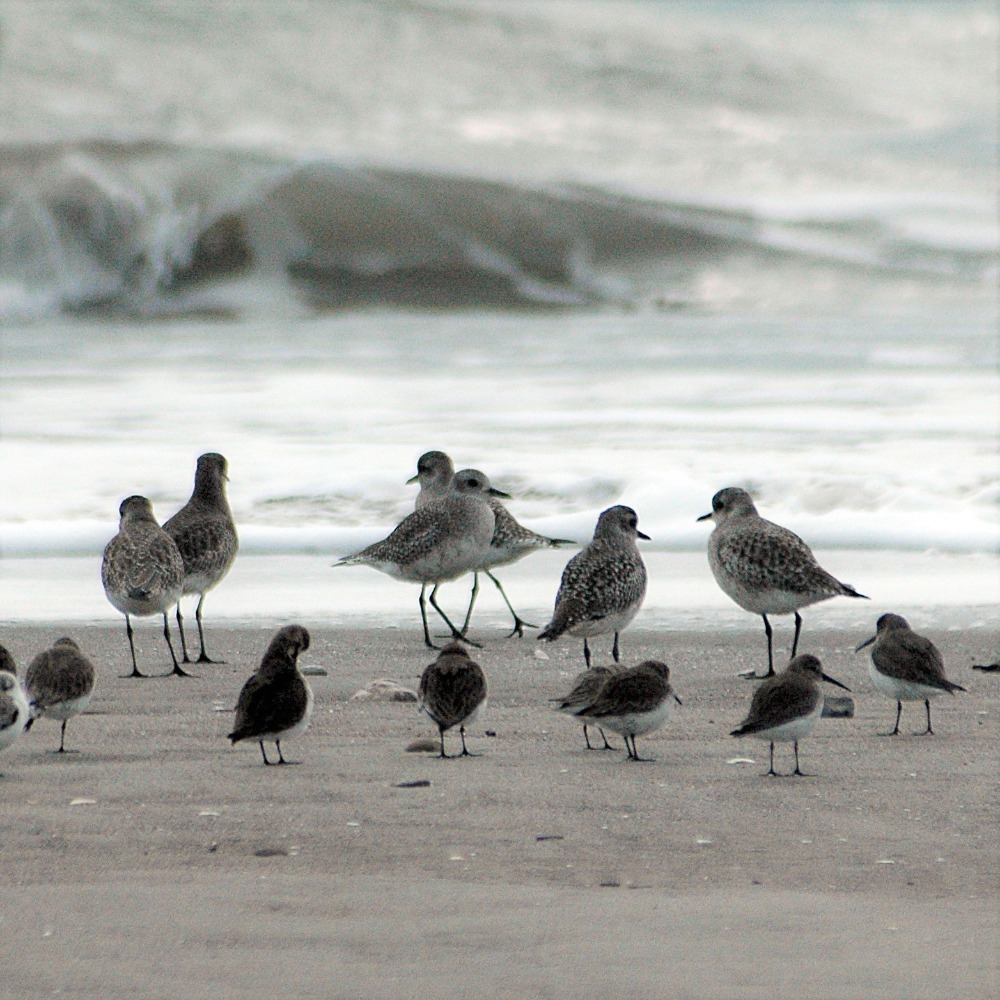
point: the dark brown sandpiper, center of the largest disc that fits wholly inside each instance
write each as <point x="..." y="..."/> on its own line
<point x="441" y="541"/>
<point x="511" y="540"/>
<point x="785" y="707"/>
<point x="603" y="585"/>
<point x="205" y="535"/>
<point x="142" y="572"/>
<point x="906" y="666"/>
<point x="59" y="683"/>
<point x="276" y="702"/>
<point x="763" y="567"/>
<point x="586" y="686"/>
<point x="452" y="692"/>
<point x="633" y="702"/>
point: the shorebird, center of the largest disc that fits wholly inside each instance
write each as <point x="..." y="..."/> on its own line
<point x="785" y="707"/>
<point x="441" y="541"/>
<point x="603" y="585"/>
<point x="276" y="702"/>
<point x="142" y="571"/>
<point x="452" y="692"/>
<point x="906" y="666"/>
<point x="633" y="702"/>
<point x="7" y="661"/>
<point x="586" y="687"/>
<point x="511" y="540"/>
<point x="763" y="567"/>
<point x="59" y="683"/>
<point x="14" y="711"/>
<point x="205" y="535"/>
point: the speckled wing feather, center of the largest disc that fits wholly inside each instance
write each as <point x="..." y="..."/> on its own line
<point x="415" y="536"/>
<point x="905" y="655"/>
<point x="628" y="692"/>
<point x="451" y="689"/>
<point x="61" y="673"/>
<point x="141" y="562"/>
<point x="779" y="699"/>
<point x="207" y="546"/>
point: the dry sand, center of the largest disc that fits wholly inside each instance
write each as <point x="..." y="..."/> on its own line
<point x="161" y="862"/>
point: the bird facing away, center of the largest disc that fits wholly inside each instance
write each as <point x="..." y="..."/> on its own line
<point x="586" y="686"/>
<point x="452" y="692"/>
<point x="276" y="702"/>
<point x="786" y="706"/>
<point x="511" y="540"/>
<point x="14" y="711"/>
<point x="763" y="567"/>
<point x="633" y="702"/>
<point x="59" y="683"/>
<point x="906" y="666"/>
<point x="142" y="571"/>
<point x="441" y="541"/>
<point x="603" y="585"/>
<point x="205" y="535"/>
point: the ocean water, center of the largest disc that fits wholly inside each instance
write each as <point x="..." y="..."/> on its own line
<point x="605" y="251"/>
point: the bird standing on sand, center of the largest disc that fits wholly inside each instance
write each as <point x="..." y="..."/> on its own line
<point x="276" y="702"/>
<point x="205" y="535"/>
<point x="441" y="541"/>
<point x="142" y="571"/>
<point x="633" y="702"/>
<point x="511" y="540"/>
<point x="59" y="683"/>
<point x="785" y="707"/>
<point x="603" y="585"/>
<point x="452" y="692"/>
<point x="14" y="711"/>
<point x="763" y="567"/>
<point x="586" y="686"/>
<point x="906" y="666"/>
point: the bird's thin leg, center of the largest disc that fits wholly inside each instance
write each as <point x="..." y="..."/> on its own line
<point x="263" y="753"/>
<point x="454" y="631"/>
<point x="635" y="751"/>
<point x="131" y="646"/>
<point x="203" y="657"/>
<point x="798" y="770"/>
<point x="607" y="745"/>
<point x="586" y="653"/>
<point x="771" y="770"/>
<point x="441" y="732"/>
<point x="423" y="618"/>
<point x="770" y="647"/>
<point x="472" y="602"/>
<point x="614" y="649"/>
<point x="587" y="737"/>
<point x="899" y="712"/>
<point x="928" y="730"/>
<point x="178" y="669"/>
<point x="180" y="628"/>
<point x="465" y="749"/>
<point x="519" y="623"/>
<point x="62" y="737"/>
<point x="798" y="629"/>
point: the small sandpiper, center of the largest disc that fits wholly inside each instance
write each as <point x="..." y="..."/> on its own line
<point x="453" y="692"/>
<point x="602" y="586"/>
<point x="633" y="702"/>
<point x="276" y="702"/>
<point x="59" y="683"/>
<point x="785" y="707"/>
<point x="586" y="687"/>
<point x="142" y="572"/>
<point x="906" y="666"/>
<point x="205" y="535"/>
<point x="763" y="567"/>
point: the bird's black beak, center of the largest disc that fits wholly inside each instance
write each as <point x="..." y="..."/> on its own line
<point x="704" y="517"/>
<point x="830" y="680"/>
<point x="493" y="492"/>
<point x="413" y="479"/>
<point x="867" y="642"/>
<point x="641" y="534"/>
<point x="677" y="699"/>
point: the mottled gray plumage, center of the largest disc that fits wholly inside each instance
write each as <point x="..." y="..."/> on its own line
<point x="785" y="707"/>
<point x="14" y="712"/>
<point x="633" y="702"/>
<point x="142" y="571"/>
<point x="452" y="692"/>
<point x="906" y="666"/>
<point x="586" y="686"/>
<point x="603" y="585"/>
<point x="205" y="535"/>
<point x="441" y="541"/>
<point x="763" y="567"/>
<point x="276" y="702"/>
<point x="59" y="683"/>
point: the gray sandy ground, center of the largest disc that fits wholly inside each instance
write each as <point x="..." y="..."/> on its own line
<point x="160" y="861"/>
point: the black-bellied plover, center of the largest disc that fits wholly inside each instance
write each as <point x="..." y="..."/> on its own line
<point x="603" y="585"/>
<point x="511" y="540"/>
<point x="59" y="683"/>
<point x="785" y="707"/>
<point x="142" y="572"/>
<point x="276" y="701"/>
<point x="441" y="541"/>
<point x="633" y="702"/>
<point x="763" y="567"/>
<point x="452" y="692"/>
<point x="206" y="538"/>
<point x="906" y="666"/>
<point x="14" y="712"/>
<point x="586" y="687"/>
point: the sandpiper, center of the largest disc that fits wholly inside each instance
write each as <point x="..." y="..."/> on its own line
<point x="634" y="702"/>
<point x="59" y="683"/>
<point x="452" y="692"/>
<point x="603" y="585"/>
<point x="142" y="571"/>
<point x="906" y="666"/>
<point x="276" y="702"/>
<point x="763" y="567"/>
<point x="586" y="687"/>
<point x="14" y="711"/>
<point x="511" y="540"/>
<point x="441" y="541"/>
<point x="206" y="538"/>
<point x="785" y="707"/>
